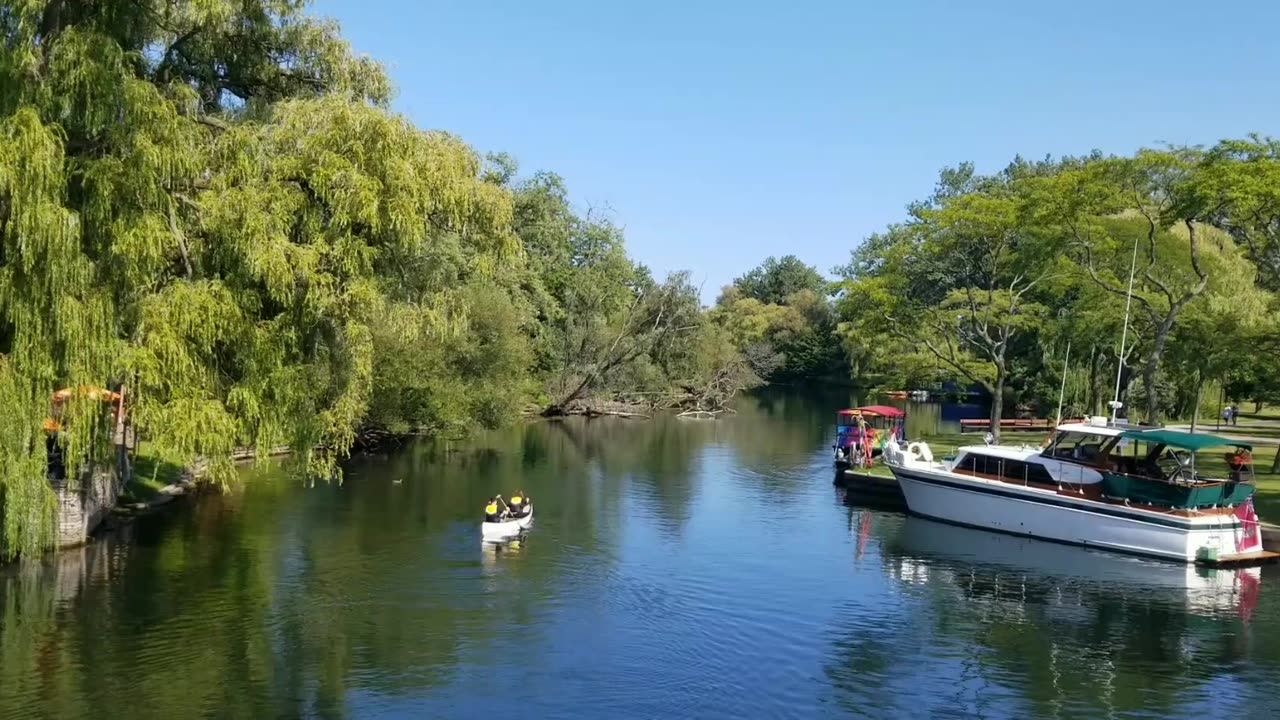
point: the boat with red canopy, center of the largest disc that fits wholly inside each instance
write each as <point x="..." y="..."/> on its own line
<point x="861" y="433"/>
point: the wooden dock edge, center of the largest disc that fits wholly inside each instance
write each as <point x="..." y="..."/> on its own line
<point x="1266" y="556"/>
<point x="1263" y="557"/>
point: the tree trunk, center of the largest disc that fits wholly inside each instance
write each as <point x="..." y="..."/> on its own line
<point x="1126" y="379"/>
<point x="1152" y="367"/>
<point x="997" y="402"/>
<point x="1094" y="395"/>
<point x="1195" y="411"/>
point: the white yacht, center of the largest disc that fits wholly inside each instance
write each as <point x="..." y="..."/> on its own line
<point x="1111" y="486"/>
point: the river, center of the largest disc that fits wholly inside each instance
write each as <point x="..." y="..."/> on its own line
<point x="675" y="569"/>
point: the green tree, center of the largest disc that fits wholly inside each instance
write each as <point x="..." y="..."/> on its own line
<point x="777" y="279"/>
<point x="203" y="201"/>
<point x="960" y="284"/>
<point x="1237" y="188"/>
<point x="1119" y="215"/>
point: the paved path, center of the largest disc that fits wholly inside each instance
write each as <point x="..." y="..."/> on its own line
<point x="1237" y="432"/>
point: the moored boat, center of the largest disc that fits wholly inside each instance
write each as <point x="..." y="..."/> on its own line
<point x="862" y="433"/>
<point x="1106" y="485"/>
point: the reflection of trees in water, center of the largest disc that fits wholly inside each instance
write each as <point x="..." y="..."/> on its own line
<point x="264" y="608"/>
<point x="1060" y="643"/>
<point x="785" y="420"/>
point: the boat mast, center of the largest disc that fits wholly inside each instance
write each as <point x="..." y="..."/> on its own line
<point x="1063" y="391"/>
<point x="1124" y="336"/>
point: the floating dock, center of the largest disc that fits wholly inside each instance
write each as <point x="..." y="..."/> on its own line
<point x="871" y="485"/>
<point x="1262" y="557"/>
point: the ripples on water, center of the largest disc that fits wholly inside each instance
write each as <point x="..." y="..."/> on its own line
<point x="674" y="570"/>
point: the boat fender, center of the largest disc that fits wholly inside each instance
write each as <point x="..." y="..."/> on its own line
<point x="921" y="450"/>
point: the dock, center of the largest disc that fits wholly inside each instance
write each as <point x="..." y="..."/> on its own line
<point x="1262" y="557"/>
<point x="1009" y="425"/>
<point x="869" y="485"/>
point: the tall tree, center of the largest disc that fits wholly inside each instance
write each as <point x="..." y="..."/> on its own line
<point x="777" y="279"/>
<point x="1237" y="188"/>
<point x="201" y="200"/>
<point x="958" y="282"/>
<point x="1121" y="214"/>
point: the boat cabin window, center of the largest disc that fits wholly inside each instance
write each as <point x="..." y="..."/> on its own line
<point x="1017" y="471"/>
<point x="1129" y="456"/>
<point x="1081" y="447"/>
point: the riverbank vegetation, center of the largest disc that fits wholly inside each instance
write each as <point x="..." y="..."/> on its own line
<point x="211" y="205"/>
<point x="992" y="278"/>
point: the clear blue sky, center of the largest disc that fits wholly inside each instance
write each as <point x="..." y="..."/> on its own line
<point x="723" y="132"/>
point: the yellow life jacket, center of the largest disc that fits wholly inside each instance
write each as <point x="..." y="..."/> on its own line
<point x="517" y="500"/>
<point x="491" y="509"/>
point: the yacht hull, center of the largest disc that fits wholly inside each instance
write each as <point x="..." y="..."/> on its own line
<point x="934" y="492"/>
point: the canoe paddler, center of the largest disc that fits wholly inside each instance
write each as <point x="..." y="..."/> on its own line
<point x="492" y="513"/>
<point x="517" y="504"/>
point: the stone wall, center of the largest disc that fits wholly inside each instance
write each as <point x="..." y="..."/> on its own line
<point x="82" y="507"/>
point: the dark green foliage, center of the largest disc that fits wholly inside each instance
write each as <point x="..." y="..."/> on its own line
<point x="779" y="278"/>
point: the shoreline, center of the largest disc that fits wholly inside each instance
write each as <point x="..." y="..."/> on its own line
<point x="188" y="481"/>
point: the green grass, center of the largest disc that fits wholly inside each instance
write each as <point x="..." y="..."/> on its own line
<point x="1268" y="412"/>
<point x="150" y="475"/>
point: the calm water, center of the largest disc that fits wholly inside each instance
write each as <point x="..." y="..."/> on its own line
<point x="676" y="569"/>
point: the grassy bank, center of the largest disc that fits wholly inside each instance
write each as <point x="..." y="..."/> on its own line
<point x="150" y="475"/>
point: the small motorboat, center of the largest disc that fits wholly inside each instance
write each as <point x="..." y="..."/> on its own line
<point x="508" y="528"/>
<point x="880" y="423"/>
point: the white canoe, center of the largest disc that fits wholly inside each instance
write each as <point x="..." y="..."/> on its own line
<point x="508" y="528"/>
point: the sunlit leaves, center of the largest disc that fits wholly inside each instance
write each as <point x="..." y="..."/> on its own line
<point x="206" y="201"/>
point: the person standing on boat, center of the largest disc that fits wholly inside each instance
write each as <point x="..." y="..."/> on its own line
<point x="862" y="440"/>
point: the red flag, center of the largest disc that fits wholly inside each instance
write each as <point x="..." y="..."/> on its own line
<point x="1249" y="520"/>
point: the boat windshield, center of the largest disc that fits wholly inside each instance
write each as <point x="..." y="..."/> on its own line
<point x="1076" y="446"/>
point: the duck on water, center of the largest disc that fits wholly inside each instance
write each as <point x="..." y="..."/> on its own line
<point x="1109" y="485"/>
<point x="504" y="519"/>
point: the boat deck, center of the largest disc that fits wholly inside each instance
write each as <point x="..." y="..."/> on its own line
<point x="1262" y="557"/>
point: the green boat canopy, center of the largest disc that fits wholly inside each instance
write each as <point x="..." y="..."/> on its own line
<point x="1183" y="440"/>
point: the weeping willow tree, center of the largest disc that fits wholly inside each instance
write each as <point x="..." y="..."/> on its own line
<point x="208" y="202"/>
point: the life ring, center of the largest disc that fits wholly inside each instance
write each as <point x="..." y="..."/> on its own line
<point x="921" y="450"/>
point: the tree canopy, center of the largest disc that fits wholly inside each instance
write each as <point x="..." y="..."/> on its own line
<point x="209" y="203"/>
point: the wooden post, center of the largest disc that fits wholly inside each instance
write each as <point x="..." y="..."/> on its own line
<point x="120" y="438"/>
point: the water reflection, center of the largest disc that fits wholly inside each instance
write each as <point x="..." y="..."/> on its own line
<point x="1019" y="627"/>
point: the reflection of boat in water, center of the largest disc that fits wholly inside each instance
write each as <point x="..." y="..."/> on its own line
<point x="968" y="554"/>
